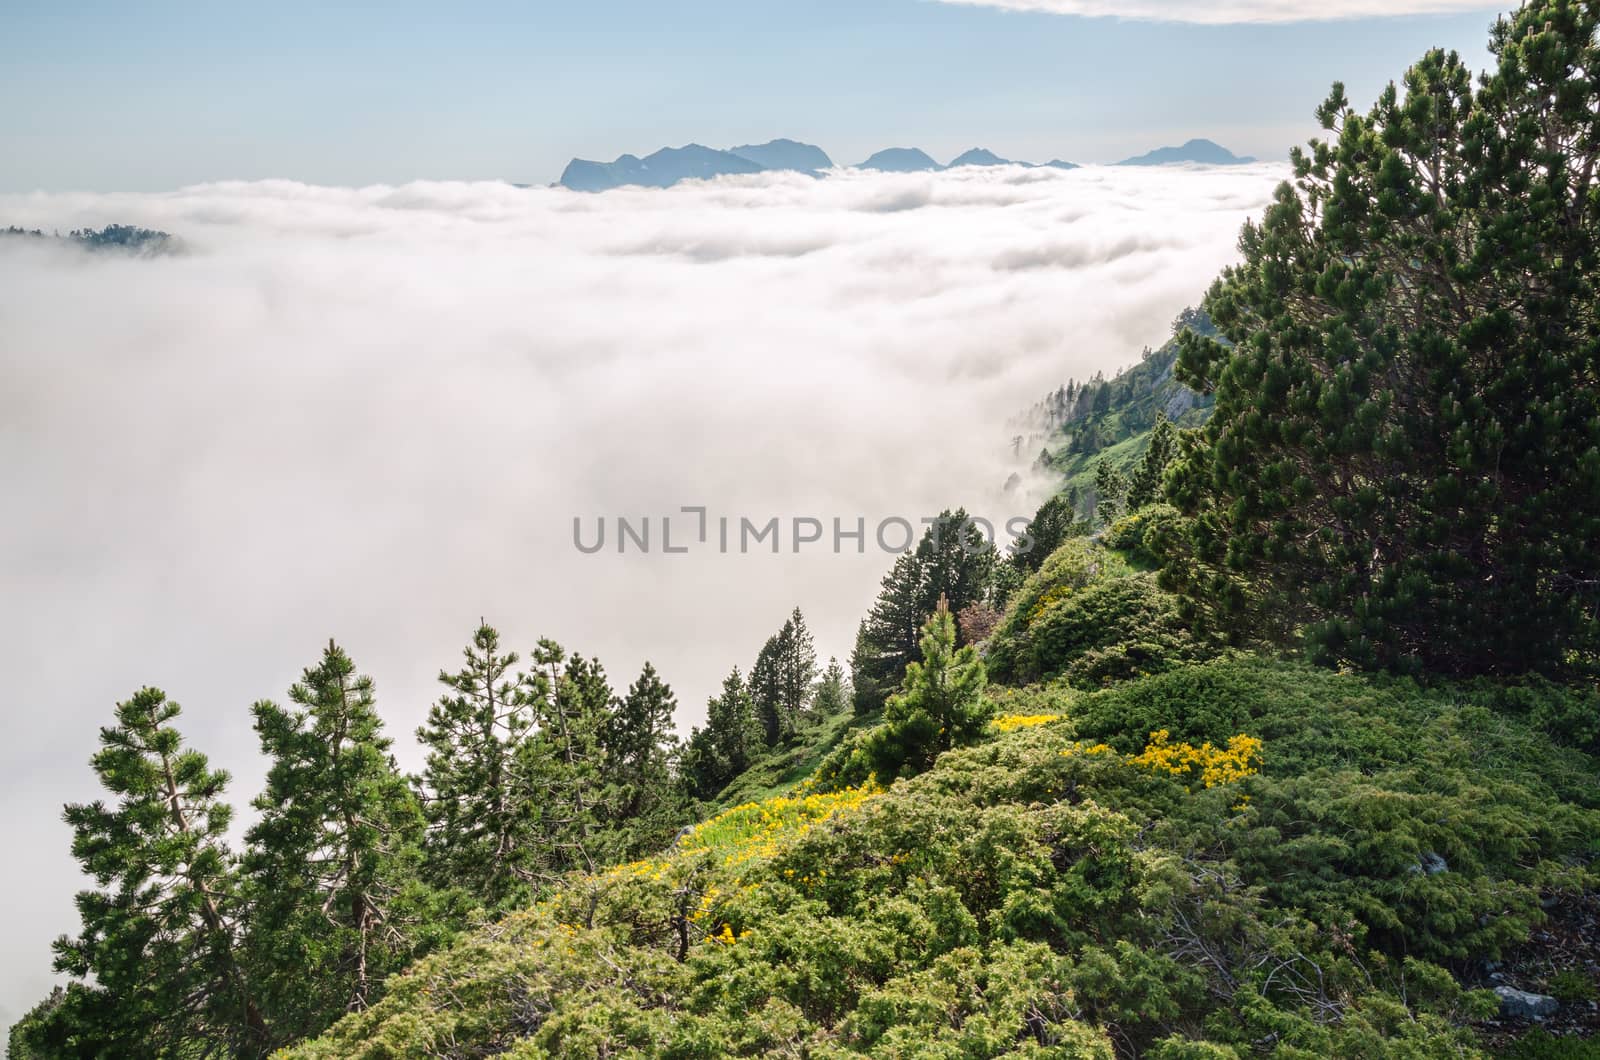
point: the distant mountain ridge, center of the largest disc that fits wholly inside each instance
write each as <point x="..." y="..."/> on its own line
<point x="901" y="160"/>
<point x="786" y="154"/>
<point x="1204" y="152"/>
<point x="672" y="165"/>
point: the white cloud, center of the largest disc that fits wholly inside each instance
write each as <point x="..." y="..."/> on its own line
<point x="1224" y="12"/>
<point x="373" y="413"/>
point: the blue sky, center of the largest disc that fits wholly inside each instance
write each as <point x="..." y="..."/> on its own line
<point x="151" y="96"/>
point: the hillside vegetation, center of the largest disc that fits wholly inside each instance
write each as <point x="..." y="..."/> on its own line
<point x="1247" y="852"/>
<point x="1276" y="736"/>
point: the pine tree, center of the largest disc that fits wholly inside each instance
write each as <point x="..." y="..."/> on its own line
<point x="767" y="690"/>
<point x="832" y="694"/>
<point x="1403" y="467"/>
<point x="639" y="752"/>
<point x="797" y="666"/>
<point x="1147" y="483"/>
<point x="722" y="750"/>
<point x="160" y="936"/>
<point x="476" y="800"/>
<point x="1051" y="525"/>
<point x="953" y="560"/>
<point x="332" y="853"/>
<point x="940" y="705"/>
<point x="1111" y="489"/>
<point x="564" y="762"/>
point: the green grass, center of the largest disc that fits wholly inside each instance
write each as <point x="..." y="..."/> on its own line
<point x="781" y="769"/>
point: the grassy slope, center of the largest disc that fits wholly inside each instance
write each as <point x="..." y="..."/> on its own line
<point x="778" y="771"/>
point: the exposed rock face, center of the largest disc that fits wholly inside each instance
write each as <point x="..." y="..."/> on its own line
<point x="1521" y="1005"/>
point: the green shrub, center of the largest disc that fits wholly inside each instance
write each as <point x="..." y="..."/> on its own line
<point x="1540" y="1044"/>
<point x="1571" y="986"/>
<point x="1570" y="715"/>
<point x="1147" y="535"/>
<point x="1110" y="631"/>
<point x="1043" y="894"/>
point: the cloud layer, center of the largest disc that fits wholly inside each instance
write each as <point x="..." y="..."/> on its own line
<point x="374" y="413"/>
<point x="1225" y="12"/>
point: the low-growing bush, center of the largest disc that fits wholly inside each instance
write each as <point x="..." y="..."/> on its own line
<point x="1110" y="631"/>
<point x="1295" y="861"/>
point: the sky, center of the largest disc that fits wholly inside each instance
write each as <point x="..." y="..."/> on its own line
<point x="153" y="96"/>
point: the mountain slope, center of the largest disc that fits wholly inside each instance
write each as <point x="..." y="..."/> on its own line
<point x="1077" y="428"/>
<point x="1186" y="864"/>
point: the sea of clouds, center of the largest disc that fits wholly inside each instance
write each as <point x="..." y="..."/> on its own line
<point x="374" y="413"/>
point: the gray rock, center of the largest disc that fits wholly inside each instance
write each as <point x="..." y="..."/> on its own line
<point x="1430" y="864"/>
<point x="1521" y="1005"/>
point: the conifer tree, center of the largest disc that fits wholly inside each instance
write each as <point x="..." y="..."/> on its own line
<point x="332" y="854"/>
<point x="797" y="666"/>
<point x="475" y="797"/>
<point x="940" y="705"/>
<point x="1146" y="484"/>
<point x="1053" y="523"/>
<point x="639" y="752"/>
<point x="723" y="749"/>
<point x="1111" y="489"/>
<point x="767" y="690"/>
<point x="160" y="936"/>
<point x="832" y="694"/>
<point x="564" y="762"/>
<point x="1403" y="467"/>
<point x="953" y="560"/>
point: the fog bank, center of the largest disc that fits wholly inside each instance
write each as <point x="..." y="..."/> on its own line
<point x="374" y="413"/>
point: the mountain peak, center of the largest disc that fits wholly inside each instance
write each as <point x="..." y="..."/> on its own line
<point x="1201" y="151"/>
<point x="786" y="154"/>
<point x="901" y="160"/>
<point x="982" y="156"/>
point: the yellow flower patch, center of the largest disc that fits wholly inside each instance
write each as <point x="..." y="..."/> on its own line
<point x="1210" y="766"/>
<point x="1012" y="722"/>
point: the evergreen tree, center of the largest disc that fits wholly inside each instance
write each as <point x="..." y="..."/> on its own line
<point x="887" y="636"/>
<point x="797" y="665"/>
<point x="481" y="829"/>
<point x="1111" y="489"/>
<point x="954" y="560"/>
<point x="1052" y="524"/>
<point x="1146" y="484"/>
<point x="767" y="691"/>
<point x="718" y="753"/>
<point x="1403" y="466"/>
<point x="640" y="751"/>
<point x="564" y="762"/>
<point x="160" y="937"/>
<point x="832" y="694"/>
<point x="940" y="705"/>
<point x="332" y="854"/>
